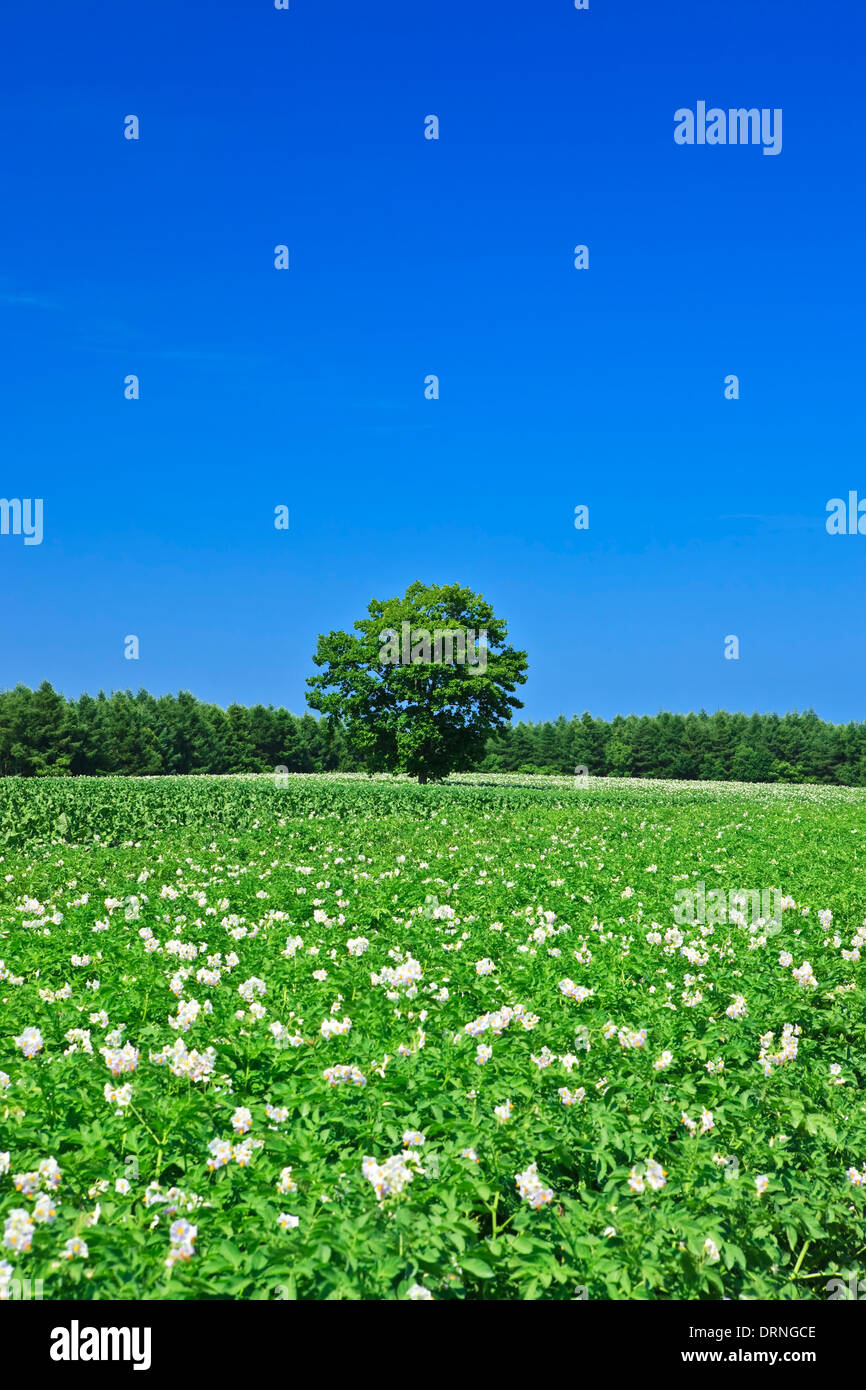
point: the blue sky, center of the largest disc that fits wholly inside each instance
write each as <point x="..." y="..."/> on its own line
<point x="454" y="257"/>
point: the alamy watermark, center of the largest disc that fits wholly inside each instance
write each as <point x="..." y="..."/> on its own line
<point x="20" y="1290"/>
<point x="76" y="1343"/>
<point x="22" y="516"/>
<point x="846" y="518"/>
<point x="444" y="647"/>
<point x="744" y="907"/>
<point x="848" y="1290"/>
<point x="736" y="126"/>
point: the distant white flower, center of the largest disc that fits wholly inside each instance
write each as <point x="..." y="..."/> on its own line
<point x="75" y="1248"/>
<point x="335" y="1076"/>
<point x="30" y="1042"/>
<point x="220" y="1151"/>
<point x="18" y="1231"/>
<point x="531" y="1188"/>
<point x="242" y="1120"/>
<point x="286" y="1183"/>
<point x="118" y="1095"/>
<point x="44" y="1208"/>
<point x="656" y="1175"/>
<point x="389" y="1178"/>
<point x="571" y="1097"/>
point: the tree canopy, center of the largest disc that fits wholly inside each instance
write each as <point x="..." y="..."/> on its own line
<point x="424" y="683"/>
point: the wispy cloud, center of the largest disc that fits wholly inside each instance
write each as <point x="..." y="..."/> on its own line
<point x="15" y="299"/>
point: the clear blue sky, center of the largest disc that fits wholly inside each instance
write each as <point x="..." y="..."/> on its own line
<point x="411" y="257"/>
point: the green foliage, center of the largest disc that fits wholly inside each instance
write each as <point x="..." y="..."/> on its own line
<point x="690" y="747"/>
<point x="426" y="718"/>
<point x="43" y="734"/>
<point x="549" y="882"/>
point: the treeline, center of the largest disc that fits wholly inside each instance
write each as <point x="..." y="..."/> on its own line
<point x="715" y="747"/>
<point x="42" y="733"/>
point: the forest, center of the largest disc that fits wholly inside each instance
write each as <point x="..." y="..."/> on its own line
<point x="44" y="734"/>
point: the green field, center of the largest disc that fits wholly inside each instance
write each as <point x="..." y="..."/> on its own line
<point x="251" y="1003"/>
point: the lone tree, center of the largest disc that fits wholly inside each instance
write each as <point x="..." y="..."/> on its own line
<point x="424" y="684"/>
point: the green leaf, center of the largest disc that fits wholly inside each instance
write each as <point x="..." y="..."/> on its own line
<point x="230" y="1252"/>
